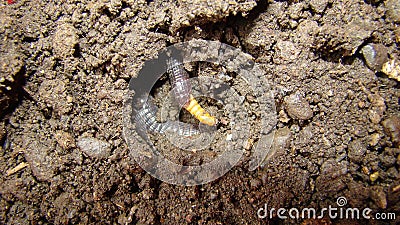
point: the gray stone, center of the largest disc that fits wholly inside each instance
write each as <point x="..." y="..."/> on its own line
<point x="94" y="147"/>
<point x="392" y="129"/>
<point x="356" y="151"/>
<point x="297" y="107"/>
<point x="375" y="56"/>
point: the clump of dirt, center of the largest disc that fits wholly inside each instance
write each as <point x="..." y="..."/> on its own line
<point x="65" y="71"/>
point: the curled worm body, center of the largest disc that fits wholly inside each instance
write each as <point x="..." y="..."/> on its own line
<point x="179" y="80"/>
<point x="181" y="89"/>
<point x="146" y="120"/>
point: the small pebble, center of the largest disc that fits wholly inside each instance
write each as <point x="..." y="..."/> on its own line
<point x="392" y="129"/>
<point x="94" y="147"/>
<point x="378" y="108"/>
<point x="333" y="169"/>
<point x="365" y="170"/>
<point x="356" y="151"/>
<point x="374" y="176"/>
<point x="283" y="117"/>
<point x="375" y="56"/>
<point x="392" y="69"/>
<point x="297" y="107"/>
<point x="285" y="52"/>
<point x="374" y="139"/>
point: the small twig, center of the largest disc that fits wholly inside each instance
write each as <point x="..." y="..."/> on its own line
<point x="17" y="168"/>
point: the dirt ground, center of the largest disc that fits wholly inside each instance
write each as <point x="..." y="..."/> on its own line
<point x="65" y="69"/>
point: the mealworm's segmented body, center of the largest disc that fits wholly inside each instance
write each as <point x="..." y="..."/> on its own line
<point x="181" y="89"/>
<point x="199" y="113"/>
<point x="146" y="120"/>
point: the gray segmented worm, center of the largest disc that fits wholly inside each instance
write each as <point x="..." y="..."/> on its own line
<point x="182" y="89"/>
<point x="146" y="120"/>
<point x="179" y="80"/>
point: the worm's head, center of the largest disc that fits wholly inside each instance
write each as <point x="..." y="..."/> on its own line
<point x="208" y="120"/>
